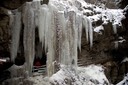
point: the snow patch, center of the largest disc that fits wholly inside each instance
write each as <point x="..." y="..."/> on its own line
<point x="99" y="29"/>
<point x="40" y="80"/>
<point x="90" y="75"/>
<point x="124" y="81"/>
<point x="125" y="60"/>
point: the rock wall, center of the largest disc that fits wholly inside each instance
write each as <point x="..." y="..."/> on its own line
<point x="104" y="52"/>
<point x="12" y="4"/>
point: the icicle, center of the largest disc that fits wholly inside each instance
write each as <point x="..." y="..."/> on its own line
<point x="61" y="36"/>
<point x="11" y="19"/>
<point x="72" y="38"/>
<point x="90" y="32"/>
<point x="16" y="28"/>
<point x="65" y="49"/>
<point x="42" y="23"/>
<point x="85" y="25"/>
<point x="44" y="19"/>
<point x="29" y="36"/>
<point x="47" y="35"/>
<point x="67" y="43"/>
<point x="79" y="28"/>
<point x="51" y="40"/>
<point x="116" y="44"/>
<point x="48" y="20"/>
<point x="88" y="29"/>
<point x="36" y="5"/>
<point x="69" y="40"/>
<point x="115" y="28"/>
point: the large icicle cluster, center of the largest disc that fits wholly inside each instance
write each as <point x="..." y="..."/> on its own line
<point x="88" y="28"/>
<point x="59" y="25"/>
<point x="60" y="32"/>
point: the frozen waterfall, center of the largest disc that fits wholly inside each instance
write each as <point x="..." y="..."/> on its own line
<point x="60" y="32"/>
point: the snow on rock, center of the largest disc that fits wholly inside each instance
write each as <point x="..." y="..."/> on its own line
<point x="40" y="80"/>
<point x="95" y="18"/>
<point x="90" y="75"/>
<point x="99" y="29"/>
<point x="109" y="15"/>
<point x="125" y="60"/>
<point x="124" y="81"/>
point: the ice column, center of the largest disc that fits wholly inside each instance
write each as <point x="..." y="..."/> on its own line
<point x="62" y="38"/>
<point x="44" y="24"/>
<point x="87" y="24"/>
<point x="16" y="28"/>
<point x="29" y="36"/>
<point x="51" y="44"/>
<point x="115" y="28"/>
<point x="90" y="32"/>
<point x="72" y="38"/>
<point x="79" y="29"/>
<point x="47" y="35"/>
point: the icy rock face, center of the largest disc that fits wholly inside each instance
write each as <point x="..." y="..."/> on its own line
<point x="124" y="81"/>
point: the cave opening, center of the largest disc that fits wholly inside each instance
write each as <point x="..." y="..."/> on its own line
<point x="39" y="63"/>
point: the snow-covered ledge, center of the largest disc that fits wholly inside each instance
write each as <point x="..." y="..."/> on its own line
<point x="90" y="75"/>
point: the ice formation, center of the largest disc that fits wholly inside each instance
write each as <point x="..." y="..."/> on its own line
<point x="124" y="81"/>
<point x="60" y="26"/>
<point x="29" y="36"/>
<point x="87" y="23"/>
<point x="79" y="29"/>
<point x="60" y="33"/>
<point x="16" y="28"/>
